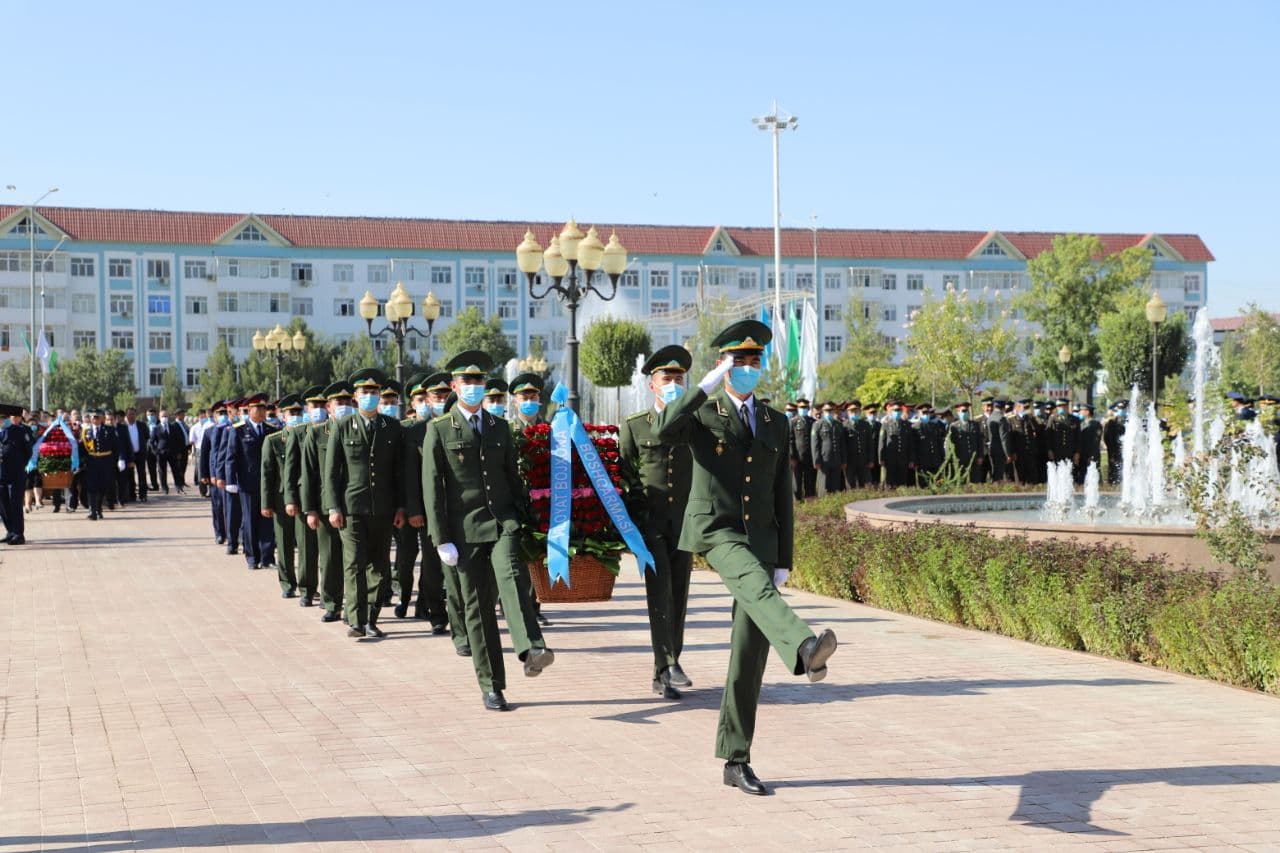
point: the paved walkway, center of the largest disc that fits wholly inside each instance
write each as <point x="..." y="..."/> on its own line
<point x="156" y="696"/>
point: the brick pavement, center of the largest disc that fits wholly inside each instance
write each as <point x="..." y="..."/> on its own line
<point x="157" y="695"/>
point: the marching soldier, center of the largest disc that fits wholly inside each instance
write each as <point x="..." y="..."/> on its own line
<point x="275" y="473"/>
<point x="209" y="475"/>
<point x="307" y="567"/>
<point x="801" y="452"/>
<point x="219" y="448"/>
<point x="243" y="476"/>
<point x="474" y="507"/>
<point x="897" y="448"/>
<point x="665" y="473"/>
<point x="410" y="540"/>
<point x="105" y="457"/>
<point x="389" y="405"/>
<point x="826" y="443"/>
<point x="739" y="518"/>
<point x="315" y="459"/>
<point x="363" y="494"/>
<point x="967" y="442"/>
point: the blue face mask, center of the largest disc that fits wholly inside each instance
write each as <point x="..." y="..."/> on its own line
<point x="422" y="409"/>
<point x="343" y="411"/>
<point x="318" y="416"/>
<point x="828" y="416"/>
<point x="964" y="416"/>
<point x="437" y="409"/>
<point x="896" y="415"/>
<point x="151" y="420"/>
<point x="672" y="391"/>
<point x="789" y="415"/>
<point x="296" y="420"/>
<point x="471" y="394"/>
<point x="924" y="419"/>
<point x="803" y="412"/>
<point x="744" y="378"/>
<point x="223" y="420"/>
<point x="530" y="408"/>
<point x="391" y="410"/>
<point x="497" y="410"/>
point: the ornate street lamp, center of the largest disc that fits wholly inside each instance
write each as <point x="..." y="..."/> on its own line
<point x="571" y="262"/>
<point x="398" y="309"/>
<point x="279" y="343"/>
<point x="1157" y="310"/>
<point x="1064" y="358"/>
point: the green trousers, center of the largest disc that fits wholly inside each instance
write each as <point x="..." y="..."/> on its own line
<point x="761" y="618"/>
<point x="308" y="556"/>
<point x="286" y="541"/>
<point x="667" y="593"/>
<point x="329" y="560"/>
<point x="454" y="608"/>
<point x="487" y="572"/>
<point x="366" y="560"/>
<point x="410" y="541"/>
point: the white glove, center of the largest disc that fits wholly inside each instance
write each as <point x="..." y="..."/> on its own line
<point x="712" y="380"/>
<point x="120" y="464"/>
<point x="448" y="554"/>
<point x="780" y="577"/>
<point x="233" y="490"/>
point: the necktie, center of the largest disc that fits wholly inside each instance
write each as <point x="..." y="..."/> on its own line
<point x="745" y="413"/>
<point x="475" y="423"/>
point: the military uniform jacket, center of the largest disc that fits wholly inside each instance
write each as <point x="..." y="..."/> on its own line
<point x="827" y="443"/>
<point x="801" y="439"/>
<point x="518" y="424"/>
<point x="967" y="440"/>
<point x="1090" y="441"/>
<point x="272" y="487"/>
<point x="741" y="489"/>
<point x="1112" y="431"/>
<point x="413" y="435"/>
<point x="291" y="472"/>
<point x="315" y="454"/>
<point x="858" y="447"/>
<point x="665" y="475"/>
<point x="16" y="441"/>
<point x="897" y="443"/>
<point x="363" y="467"/>
<point x="245" y="455"/>
<point x="997" y="438"/>
<point x="931" y="443"/>
<point x="1062" y="437"/>
<point x="471" y="483"/>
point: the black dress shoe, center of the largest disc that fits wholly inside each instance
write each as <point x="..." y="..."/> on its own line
<point x="291" y="592"/>
<point x="307" y="601"/>
<point x="17" y="540"/>
<point x="495" y="701"/>
<point x="814" y="653"/>
<point x="463" y="651"/>
<point x="402" y="610"/>
<point x="666" y="691"/>
<point x="675" y="676"/>
<point x="536" y="660"/>
<point x="219" y="540"/>
<point x="543" y="621"/>
<point x="438" y="628"/>
<point x="355" y="631"/>
<point x="330" y="616"/>
<point x="374" y="632"/>
<point x="740" y="776"/>
<point x="231" y="549"/>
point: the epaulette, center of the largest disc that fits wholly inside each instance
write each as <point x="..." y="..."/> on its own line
<point x="443" y="417"/>
<point x="637" y="415"/>
<point x="242" y="423"/>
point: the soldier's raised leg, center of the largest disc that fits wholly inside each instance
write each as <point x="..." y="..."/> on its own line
<point x="478" y="596"/>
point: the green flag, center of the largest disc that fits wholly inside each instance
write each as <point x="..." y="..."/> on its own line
<point x="793" y="352"/>
<point x="53" y="361"/>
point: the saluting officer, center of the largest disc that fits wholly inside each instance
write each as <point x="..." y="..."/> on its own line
<point x="739" y="518"/>
<point x="410" y="541"/>
<point x="665" y="474"/>
<point x="273" y="488"/>
<point x="475" y="506"/>
<point x="307" y="566"/>
<point x="363" y="493"/>
<point x="315" y="457"/>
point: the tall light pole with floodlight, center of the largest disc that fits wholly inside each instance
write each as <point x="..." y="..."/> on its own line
<point x="775" y="123"/>
<point x="44" y="374"/>
<point x="398" y="309"/>
<point x="1157" y="311"/>
<point x="279" y="343"/>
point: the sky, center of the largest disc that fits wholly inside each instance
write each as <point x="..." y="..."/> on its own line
<point x="1091" y="116"/>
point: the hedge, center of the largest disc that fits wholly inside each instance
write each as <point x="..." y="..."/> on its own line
<point x="1096" y="598"/>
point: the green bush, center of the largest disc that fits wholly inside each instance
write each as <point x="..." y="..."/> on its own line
<point x="1096" y="598"/>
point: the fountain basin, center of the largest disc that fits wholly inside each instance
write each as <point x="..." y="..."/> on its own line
<point x="1174" y="540"/>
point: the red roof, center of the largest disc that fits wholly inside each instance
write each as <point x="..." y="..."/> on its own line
<point x="368" y="232"/>
<point x="1231" y="324"/>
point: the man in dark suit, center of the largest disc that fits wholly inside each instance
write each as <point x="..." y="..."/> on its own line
<point x="244" y="479"/>
<point x="16" y="442"/>
<point x="135" y="435"/>
<point x="165" y="440"/>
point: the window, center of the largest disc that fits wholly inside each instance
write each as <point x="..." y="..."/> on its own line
<point x="155" y="376"/>
<point x="473" y="276"/>
<point x="509" y="278"/>
<point x="25" y="227"/>
<point x="300" y="272"/>
<point x="344" y="272"/>
<point x="120" y="268"/>
<point x="158" y="269"/>
<point x="159" y="341"/>
<point x="159" y="305"/>
<point x="748" y="280"/>
<point x="378" y="273"/>
<point x="84" y="338"/>
<point x="630" y="278"/>
<point x="911" y="311"/>
<point x="195" y="269"/>
<point x="1155" y="251"/>
<point x="277" y="303"/>
<point x="197" y="341"/>
<point x="659" y="306"/>
<point x="506" y="309"/>
<point x="512" y="342"/>
<point x="557" y="340"/>
<point x="537" y="343"/>
<point x="659" y="278"/>
<point x="441" y="275"/>
<point x="995" y="280"/>
<point x="993" y="250"/>
<point x="193" y="377"/>
<point x="229" y="301"/>
<point x="82" y="267"/>
<point x="446" y="307"/>
<point x="804" y="281"/>
<point x="832" y="280"/>
<point x="344" y="307"/>
<point x="122" y="339"/>
<point x="889" y="281"/>
<point x="891" y="341"/>
<point x="19" y="297"/>
<point x="234" y="338"/>
<point x="1191" y="284"/>
<point x="121" y="304"/>
<point x="951" y="280"/>
<point x="863" y="277"/>
<point x="833" y="343"/>
<point x="688" y="278"/>
<point x="84" y="303"/>
<point x="915" y="281"/>
<point x="197" y="304"/>
<point x="537" y="309"/>
<point x="252" y="268"/>
<point x="10" y="261"/>
<point x="477" y="304"/>
<point x="1191" y="313"/>
<point x="302" y="306"/>
<point x="250" y="234"/>
<point x="831" y="312"/>
<point x="890" y="313"/>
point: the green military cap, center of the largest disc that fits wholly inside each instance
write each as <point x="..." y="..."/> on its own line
<point x="341" y="388"/>
<point x="289" y="402"/>
<point x="314" y="394"/>
<point x="495" y="388"/>
<point x="674" y="358"/>
<point x="368" y="377"/>
<point x="390" y="388"/>
<point x="436" y="382"/>
<point x="413" y="384"/>
<point x="527" y="382"/>
<point x="744" y="336"/>
<point x="470" y="363"/>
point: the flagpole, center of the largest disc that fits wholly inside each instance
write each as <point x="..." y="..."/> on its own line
<point x="775" y="123"/>
<point x="44" y="366"/>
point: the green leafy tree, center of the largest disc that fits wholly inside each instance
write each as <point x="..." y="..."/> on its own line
<point x="883" y="384"/>
<point x="172" y="395"/>
<point x="470" y="330"/>
<point x="94" y="377"/>
<point x="609" y="351"/>
<point x="219" y="380"/>
<point x="958" y="343"/>
<point x="1251" y="354"/>
<point x="15" y="382"/>
<point x="1124" y="343"/>
<point x="1073" y="285"/>
<point x="712" y="319"/>
<point x="865" y="347"/>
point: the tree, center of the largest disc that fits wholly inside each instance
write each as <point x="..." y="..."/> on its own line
<point x="1073" y="285"/>
<point x="609" y="351"/>
<point x="883" y="384"/>
<point x="220" y="378"/>
<point x="93" y="378"/>
<point x="865" y="347"/>
<point x="960" y="343"/>
<point x="15" y="382"/>
<point x="1251" y="354"/>
<point x="1124" y="343"/>
<point x="470" y="331"/>
<point x="171" y="393"/>
<point x="713" y="316"/>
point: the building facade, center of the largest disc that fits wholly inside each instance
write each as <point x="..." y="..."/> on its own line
<point x="166" y="286"/>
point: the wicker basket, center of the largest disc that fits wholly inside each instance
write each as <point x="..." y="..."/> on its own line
<point x="56" y="479"/>
<point x="592" y="582"/>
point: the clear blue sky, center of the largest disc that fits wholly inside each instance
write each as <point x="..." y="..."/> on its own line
<point x="1103" y="116"/>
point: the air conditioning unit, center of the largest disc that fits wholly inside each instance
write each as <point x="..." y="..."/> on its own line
<point x="124" y="314"/>
<point x="164" y="280"/>
<point x="213" y="276"/>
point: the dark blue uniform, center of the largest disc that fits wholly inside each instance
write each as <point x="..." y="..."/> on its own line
<point x="243" y="467"/>
<point x="210" y="473"/>
<point x="230" y="504"/>
<point x="16" y="441"/>
<point x="102" y="451"/>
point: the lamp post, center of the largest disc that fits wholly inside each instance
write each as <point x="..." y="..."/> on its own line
<point x="44" y="374"/>
<point x="571" y="261"/>
<point x="775" y="123"/>
<point x="279" y="343"/>
<point x="1157" y="310"/>
<point x="31" y="234"/>
<point x="1064" y="358"/>
<point x="398" y="309"/>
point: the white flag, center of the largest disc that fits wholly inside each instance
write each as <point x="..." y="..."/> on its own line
<point x="809" y="351"/>
<point x="42" y="352"/>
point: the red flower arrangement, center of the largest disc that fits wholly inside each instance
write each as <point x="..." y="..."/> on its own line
<point x="55" y="453"/>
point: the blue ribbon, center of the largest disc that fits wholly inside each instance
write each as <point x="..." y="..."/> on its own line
<point x="66" y="430"/>
<point x="566" y="430"/>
